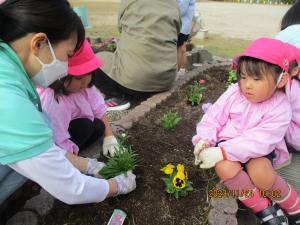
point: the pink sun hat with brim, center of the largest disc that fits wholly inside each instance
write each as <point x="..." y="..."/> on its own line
<point x="269" y="50"/>
<point x="84" y="61"/>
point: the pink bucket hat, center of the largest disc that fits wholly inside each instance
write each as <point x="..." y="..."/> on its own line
<point x="270" y="50"/>
<point x="83" y="61"/>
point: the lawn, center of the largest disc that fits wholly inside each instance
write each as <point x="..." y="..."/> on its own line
<point x="220" y="46"/>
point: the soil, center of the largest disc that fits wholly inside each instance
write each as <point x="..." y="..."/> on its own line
<point x="149" y="204"/>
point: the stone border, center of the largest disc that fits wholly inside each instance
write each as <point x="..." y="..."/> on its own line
<point x="140" y="111"/>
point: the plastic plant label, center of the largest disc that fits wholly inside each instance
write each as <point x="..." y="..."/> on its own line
<point x="117" y="218"/>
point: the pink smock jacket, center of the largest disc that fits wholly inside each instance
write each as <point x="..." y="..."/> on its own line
<point x="87" y="103"/>
<point x="292" y="136"/>
<point x="250" y="130"/>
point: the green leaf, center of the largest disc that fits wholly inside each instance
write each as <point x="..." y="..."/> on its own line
<point x="170" y="190"/>
<point x="189" y="188"/>
<point x="165" y="179"/>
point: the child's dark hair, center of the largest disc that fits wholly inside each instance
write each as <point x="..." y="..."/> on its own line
<point x="55" y="18"/>
<point x="59" y="87"/>
<point x="292" y="16"/>
<point x="292" y="66"/>
<point x="257" y="68"/>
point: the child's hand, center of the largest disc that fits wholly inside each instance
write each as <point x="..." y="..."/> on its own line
<point x="202" y="144"/>
<point x="110" y="144"/>
<point x="210" y="156"/>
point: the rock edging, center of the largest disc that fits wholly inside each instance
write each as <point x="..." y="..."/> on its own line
<point x="140" y="111"/>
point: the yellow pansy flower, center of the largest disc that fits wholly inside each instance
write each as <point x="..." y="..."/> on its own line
<point x="168" y="169"/>
<point x="180" y="168"/>
<point x="179" y="180"/>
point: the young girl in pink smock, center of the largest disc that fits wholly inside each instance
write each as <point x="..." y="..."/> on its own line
<point x="242" y="134"/>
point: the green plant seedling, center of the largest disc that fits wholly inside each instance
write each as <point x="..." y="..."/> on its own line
<point x="112" y="47"/>
<point x="195" y="92"/>
<point x="170" y="120"/>
<point x="124" y="159"/>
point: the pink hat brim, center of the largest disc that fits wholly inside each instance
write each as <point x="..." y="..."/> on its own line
<point x="85" y="68"/>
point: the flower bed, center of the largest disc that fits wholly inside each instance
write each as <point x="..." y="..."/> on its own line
<point x="149" y="204"/>
<point x="156" y="147"/>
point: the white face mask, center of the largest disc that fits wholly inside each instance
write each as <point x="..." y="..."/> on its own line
<point x="50" y="72"/>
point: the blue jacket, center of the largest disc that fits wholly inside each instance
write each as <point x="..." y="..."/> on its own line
<point x="187" y="10"/>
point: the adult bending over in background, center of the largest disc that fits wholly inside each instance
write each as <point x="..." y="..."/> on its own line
<point x="145" y="59"/>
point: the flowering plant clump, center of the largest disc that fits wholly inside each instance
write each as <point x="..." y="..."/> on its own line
<point x="177" y="183"/>
<point x="195" y="92"/>
<point x="112" y="47"/>
<point x="232" y="77"/>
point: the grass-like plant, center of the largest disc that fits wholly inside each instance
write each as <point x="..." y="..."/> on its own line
<point x="195" y="92"/>
<point x="177" y="183"/>
<point x="170" y="120"/>
<point x="123" y="160"/>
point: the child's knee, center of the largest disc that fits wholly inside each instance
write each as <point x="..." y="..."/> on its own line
<point x="227" y="169"/>
<point x="263" y="180"/>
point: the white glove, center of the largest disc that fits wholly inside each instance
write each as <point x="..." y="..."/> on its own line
<point x="210" y="156"/>
<point x="93" y="167"/>
<point x="202" y="144"/>
<point x="126" y="183"/>
<point x="110" y="144"/>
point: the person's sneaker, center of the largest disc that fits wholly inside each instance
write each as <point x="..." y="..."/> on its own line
<point x="272" y="215"/>
<point x="181" y="72"/>
<point x="114" y="104"/>
<point x="294" y="219"/>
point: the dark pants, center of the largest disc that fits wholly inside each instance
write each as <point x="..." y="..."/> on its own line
<point x="84" y="132"/>
<point x="181" y="39"/>
<point x="270" y="156"/>
<point x="111" y="88"/>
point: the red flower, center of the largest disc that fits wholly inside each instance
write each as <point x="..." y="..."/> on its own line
<point x="201" y="81"/>
<point x="233" y="66"/>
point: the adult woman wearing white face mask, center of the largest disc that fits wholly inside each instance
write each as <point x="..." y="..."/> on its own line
<point x="36" y="39"/>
